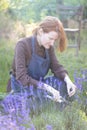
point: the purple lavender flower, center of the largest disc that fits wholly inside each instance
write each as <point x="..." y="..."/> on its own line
<point x="49" y="127"/>
<point x="32" y="127"/>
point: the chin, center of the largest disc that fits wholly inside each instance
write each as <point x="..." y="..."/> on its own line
<point x="48" y="47"/>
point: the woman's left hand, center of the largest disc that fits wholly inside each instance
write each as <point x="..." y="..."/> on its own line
<point x="71" y="88"/>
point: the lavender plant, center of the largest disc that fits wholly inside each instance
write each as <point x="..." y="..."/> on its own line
<point x="16" y="112"/>
<point x="17" y="109"/>
<point x="81" y="83"/>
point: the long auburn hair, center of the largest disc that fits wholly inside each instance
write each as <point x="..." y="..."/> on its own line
<point x="51" y="23"/>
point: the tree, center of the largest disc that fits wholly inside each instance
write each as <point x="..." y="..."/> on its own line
<point x="32" y="10"/>
<point x="4" y="4"/>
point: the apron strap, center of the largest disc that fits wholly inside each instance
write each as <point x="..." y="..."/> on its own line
<point x="33" y="43"/>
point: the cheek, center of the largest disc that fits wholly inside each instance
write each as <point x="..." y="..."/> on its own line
<point x="44" y="39"/>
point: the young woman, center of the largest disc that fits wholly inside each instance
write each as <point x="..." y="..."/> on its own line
<point x="35" y="55"/>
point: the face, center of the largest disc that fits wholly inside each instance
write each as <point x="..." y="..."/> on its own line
<point x="48" y="39"/>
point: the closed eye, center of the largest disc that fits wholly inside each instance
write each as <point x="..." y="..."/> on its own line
<point x="51" y="38"/>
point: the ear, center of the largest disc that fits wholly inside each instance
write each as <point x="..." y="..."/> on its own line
<point x="40" y="32"/>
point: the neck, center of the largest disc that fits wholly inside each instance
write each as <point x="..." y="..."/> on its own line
<point x="39" y="41"/>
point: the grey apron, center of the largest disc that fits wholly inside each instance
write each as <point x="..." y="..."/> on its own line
<point x="38" y="66"/>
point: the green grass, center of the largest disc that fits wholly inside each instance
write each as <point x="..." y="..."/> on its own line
<point x="6" y="56"/>
<point x="71" y="118"/>
<point x="72" y="62"/>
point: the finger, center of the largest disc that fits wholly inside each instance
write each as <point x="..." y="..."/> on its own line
<point x="71" y="93"/>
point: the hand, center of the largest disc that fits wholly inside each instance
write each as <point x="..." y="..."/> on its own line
<point x="56" y="95"/>
<point x="71" y="88"/>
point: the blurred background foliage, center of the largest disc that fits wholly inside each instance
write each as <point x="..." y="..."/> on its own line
<point x="17" y="13"/>
<point x="34" y="10"/>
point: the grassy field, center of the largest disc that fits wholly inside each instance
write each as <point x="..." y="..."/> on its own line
<point x="72" y="117"/>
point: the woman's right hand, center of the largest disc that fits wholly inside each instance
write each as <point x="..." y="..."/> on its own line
<point x="56" y="95"/>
